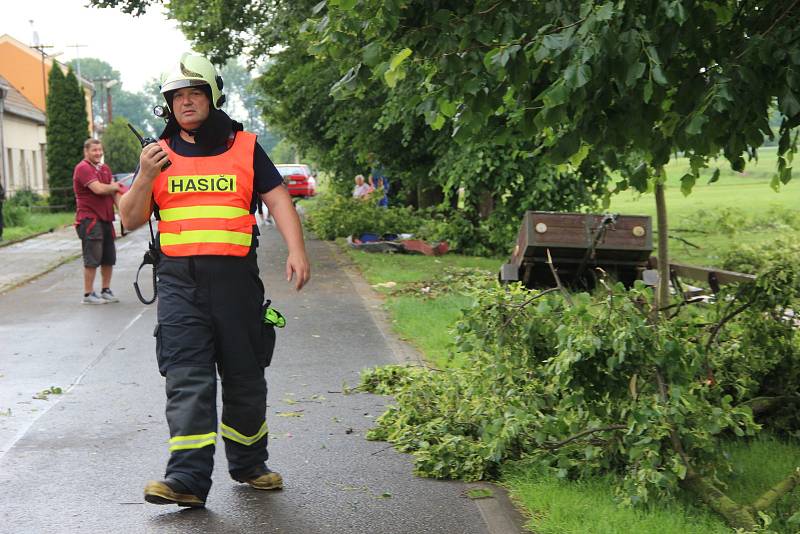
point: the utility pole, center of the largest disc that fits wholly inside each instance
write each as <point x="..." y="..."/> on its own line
<point x="100" y="104"/>
<point x="107" y="84"/>
<point x="40" y="48"/>
<point x="77" y="48"/>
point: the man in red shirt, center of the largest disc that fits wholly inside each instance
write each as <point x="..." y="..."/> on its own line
<point x="95" y="195"/>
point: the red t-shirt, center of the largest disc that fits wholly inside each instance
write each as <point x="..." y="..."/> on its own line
<point x="92" y="205"/>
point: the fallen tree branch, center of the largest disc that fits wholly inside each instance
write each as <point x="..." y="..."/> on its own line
<point x="559" y="285"/>
<point x="735" y="515"/>
<point x="559" y="444"/>
<point x="673" y="434"/>
<point x="524" y="304"/>
<point x="762" y="405"/>
<point x="769" y="497"/>
<point x="718" y="327"/>
<point x="536" y="296"/>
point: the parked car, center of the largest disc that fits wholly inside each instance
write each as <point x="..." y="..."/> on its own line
<point x="299" y="179"/>
<point x="125" y="178"/>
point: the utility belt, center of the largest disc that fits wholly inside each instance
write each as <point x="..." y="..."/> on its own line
<point x="270" y="317"/>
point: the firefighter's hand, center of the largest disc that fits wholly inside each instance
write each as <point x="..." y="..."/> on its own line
<point x="297" y="265"/>
<point x="151" y="160"/>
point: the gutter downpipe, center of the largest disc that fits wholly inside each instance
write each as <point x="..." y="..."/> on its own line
<point x="3" y="169"/>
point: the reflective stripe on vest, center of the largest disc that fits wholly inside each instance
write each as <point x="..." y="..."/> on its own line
<point x="204" y="202"/>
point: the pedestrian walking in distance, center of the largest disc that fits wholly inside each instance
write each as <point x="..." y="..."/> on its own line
<point x="203" y="180"/>
<point x="95" y="195"/>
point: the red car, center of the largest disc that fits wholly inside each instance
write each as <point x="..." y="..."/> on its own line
<point x="298" y="179"/>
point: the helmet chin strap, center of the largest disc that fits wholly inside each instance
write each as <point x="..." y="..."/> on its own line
<point x="191" y="133"/>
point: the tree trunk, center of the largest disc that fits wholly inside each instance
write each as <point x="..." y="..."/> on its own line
<point x="486" y="204"/>
<point x="662" y="297"/>
<point x="429" y="195"/>
<point x="765" y="405"/>
<point x="777" y="491"/>
<point x="735" y="515"/>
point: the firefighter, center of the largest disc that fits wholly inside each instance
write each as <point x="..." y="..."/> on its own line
<point x="203" y="180"/>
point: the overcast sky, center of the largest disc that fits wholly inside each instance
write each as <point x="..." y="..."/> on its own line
<point x="140" y="48"/>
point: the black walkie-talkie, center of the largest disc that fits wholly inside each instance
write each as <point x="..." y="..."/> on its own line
<point x="147" y="141"/>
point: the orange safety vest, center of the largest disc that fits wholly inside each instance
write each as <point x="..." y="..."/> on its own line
<point x="204" y="202"/>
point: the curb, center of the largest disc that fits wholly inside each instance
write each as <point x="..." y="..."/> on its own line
<point x="498" y="512"/>
<point x="21" y="239"/>
<point x="50" y="268"/>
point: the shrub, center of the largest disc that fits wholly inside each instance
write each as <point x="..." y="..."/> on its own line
<point x="332" y="216"/>
<point x="15" y="215"/>
<point x="25" y="197"/>
<point x="755" y="259"/>
<point x="335" y="216"/>
<point x="121" y="147"/>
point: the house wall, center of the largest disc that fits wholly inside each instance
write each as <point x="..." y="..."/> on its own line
<point x="23" y="69"/>
<point x="24" y="143"/>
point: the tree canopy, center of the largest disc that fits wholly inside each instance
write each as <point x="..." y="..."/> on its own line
<point x="650" y="77"/>
<point x="489" y="96"/>
<point x="647" y="79"/>
<point x="348" y="132"/>
<point x="136" y="107"/>
<point x="121" y="147"/>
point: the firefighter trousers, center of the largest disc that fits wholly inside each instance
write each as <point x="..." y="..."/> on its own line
<point x="209" y="323"/>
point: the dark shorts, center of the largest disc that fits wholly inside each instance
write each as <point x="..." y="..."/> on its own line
<point x="98" y="243"/>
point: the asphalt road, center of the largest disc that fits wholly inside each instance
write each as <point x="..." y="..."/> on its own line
<point x="77" y="462"/>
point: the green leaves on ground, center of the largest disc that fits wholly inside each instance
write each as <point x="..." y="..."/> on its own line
<point x="45" y="393"/>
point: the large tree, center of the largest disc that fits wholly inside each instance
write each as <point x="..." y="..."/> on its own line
<point x="243" y="102"/>
<point x="627" y="84"/>
<point x="348" y="126"/>
<point x="67" y="129"/>
<point x="136" y="107"/>
<point x="121" y="147"/>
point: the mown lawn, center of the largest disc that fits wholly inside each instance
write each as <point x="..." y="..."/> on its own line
<point x="739" y="208"/>
<point x="37" y="223"/>
<point x="422" y="321"/>
<point x="556" y="506"/>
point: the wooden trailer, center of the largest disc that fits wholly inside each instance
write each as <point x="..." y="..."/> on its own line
<point x="578" y="243"/>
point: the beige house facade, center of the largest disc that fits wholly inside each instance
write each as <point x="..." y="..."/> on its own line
<point x="24" y="72"/>
<point x="22" y="142"/>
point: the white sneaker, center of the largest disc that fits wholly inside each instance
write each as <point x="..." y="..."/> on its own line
<point x="92" y="298"/>
<point x="108" y="296"/>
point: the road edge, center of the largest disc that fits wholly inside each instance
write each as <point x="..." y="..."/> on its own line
<point x="499" y="513"/>
<point x="33" y="276"/>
